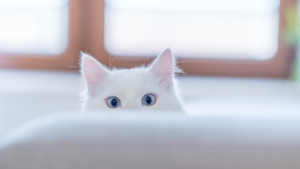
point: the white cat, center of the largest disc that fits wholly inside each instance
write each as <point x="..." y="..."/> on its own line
<point x="143" y="88"/>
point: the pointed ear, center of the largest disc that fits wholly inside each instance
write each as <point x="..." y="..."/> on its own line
<point x="93" y="73"/>
<point x="163" y="67"/>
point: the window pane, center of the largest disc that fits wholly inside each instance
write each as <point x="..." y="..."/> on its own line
<point x="34" y="26"/>
<point x="228" y="29"/>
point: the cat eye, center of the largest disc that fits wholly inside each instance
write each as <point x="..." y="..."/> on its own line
<point x="113" y="102"/>
<point x="148" y="100"/>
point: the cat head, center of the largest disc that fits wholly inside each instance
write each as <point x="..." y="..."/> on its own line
<point x="143" y="88"/>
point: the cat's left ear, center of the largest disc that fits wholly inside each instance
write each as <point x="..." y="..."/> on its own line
<point x="163" y="67"/>
<point x="94" y="73"/>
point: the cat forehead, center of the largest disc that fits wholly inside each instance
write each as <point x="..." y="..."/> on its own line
<point x="132" y="81"/>
<point x="130" y="73"/>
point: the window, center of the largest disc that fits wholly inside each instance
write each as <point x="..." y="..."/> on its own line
<point x="251" y="44"/>
<point x="238" y="29"/>
<point x="39" y="34"/>
<point x="209" y="37"/>
<point x="34" y="27"/>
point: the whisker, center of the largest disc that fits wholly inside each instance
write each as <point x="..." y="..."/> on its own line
<point x="113" y="61"/>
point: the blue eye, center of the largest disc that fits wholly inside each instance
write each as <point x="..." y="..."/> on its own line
<point x="113" y="102"/>
<point x="148" y="100"/>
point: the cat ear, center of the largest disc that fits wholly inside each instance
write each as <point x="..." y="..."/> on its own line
<point x="163" y="67"/>
<point x="93" y="73"/>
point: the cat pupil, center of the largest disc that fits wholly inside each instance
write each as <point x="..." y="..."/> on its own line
<point x="114" y="102"/>
<point x="148" y="100"/>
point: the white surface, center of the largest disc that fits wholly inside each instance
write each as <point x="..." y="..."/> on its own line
<point x="28" y="94"/>
<point x="153" y="141"/>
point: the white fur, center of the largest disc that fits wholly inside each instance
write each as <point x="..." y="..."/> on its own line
<point x="130" y="85"/>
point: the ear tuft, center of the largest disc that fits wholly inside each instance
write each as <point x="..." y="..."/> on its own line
<point x="93" y="72"/>
<point x="163" y="67"/>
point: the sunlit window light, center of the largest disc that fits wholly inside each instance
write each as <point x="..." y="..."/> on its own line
<point x="225" y="29"/>
<point x="34" y="26"/>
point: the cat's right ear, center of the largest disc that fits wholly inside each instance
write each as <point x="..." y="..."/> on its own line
<point x="93" y="73"/>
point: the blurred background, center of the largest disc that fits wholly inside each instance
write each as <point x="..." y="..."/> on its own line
<point x="239" y="56"/>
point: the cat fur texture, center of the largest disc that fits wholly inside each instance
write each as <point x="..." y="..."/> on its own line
<point x="129" y="86"/>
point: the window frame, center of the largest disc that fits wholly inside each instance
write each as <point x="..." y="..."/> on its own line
<point x="86" y="33"/>
<point x="276" y="67"/>
<point x="63" y="61"/>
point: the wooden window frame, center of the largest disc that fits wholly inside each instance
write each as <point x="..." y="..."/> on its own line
<point x="86" y="33"/>
<point x="276" y="67"/>
<point x="51" y="62"/>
